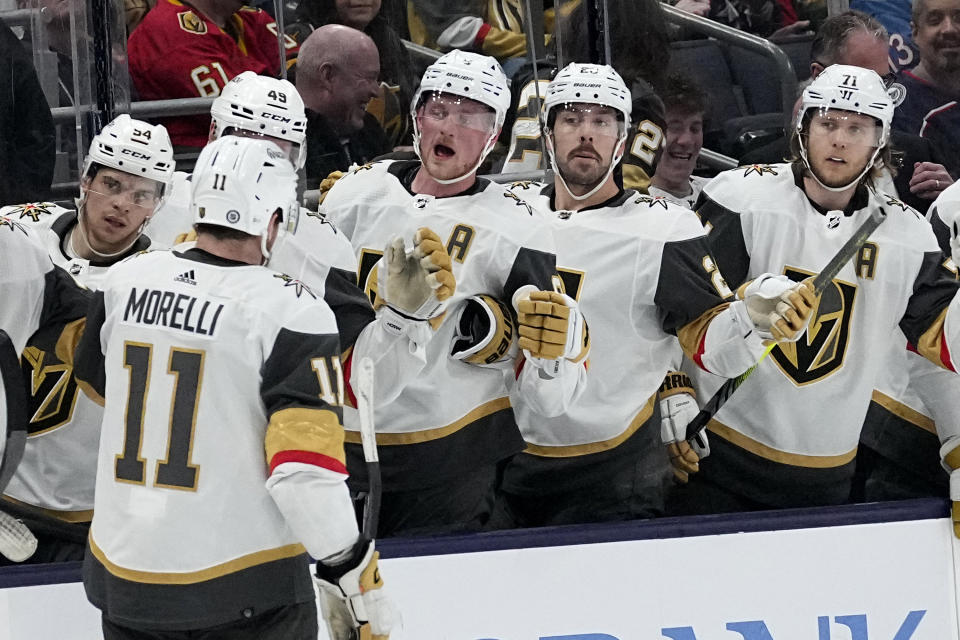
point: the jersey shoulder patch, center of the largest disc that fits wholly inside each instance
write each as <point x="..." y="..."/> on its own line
<point x="760" y="170"/>
<point x="298" y="287"/>
<point x="191" y="22"/>
<point x="34" y="211"/>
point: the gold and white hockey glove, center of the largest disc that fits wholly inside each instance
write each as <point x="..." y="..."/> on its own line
<point x="352" y="600"/>
<point x="485" y="332"/>
<point x="551" y="327"/>
<point x="678" y="406"/>
<point x="950" y="459"/>
<point x="417" y="283"/>
<point x="779" y="307"/>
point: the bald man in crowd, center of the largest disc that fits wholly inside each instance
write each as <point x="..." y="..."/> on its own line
<point x="337" y="76"/>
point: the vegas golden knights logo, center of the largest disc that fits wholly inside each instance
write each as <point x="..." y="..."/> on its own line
<point x="52" y="391"/>
<point x="191" y="22"/>
<point x="821" y="350"/>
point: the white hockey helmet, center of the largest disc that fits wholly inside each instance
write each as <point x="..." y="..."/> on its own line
<point x="582" y="83"/>
<point x="265" y="106"/>
<point x="134" y="147"/>
<point x="467" y="75"/>
<point x="239" y="183"/>
<point x="847" y="88"/>
<point x="590" y="84"/>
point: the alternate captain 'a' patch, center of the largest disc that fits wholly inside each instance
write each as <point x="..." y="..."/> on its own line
<point x="652" y="201"/>
<point x="821" y="351"/>
<point x="32" y="210"/>
<point x="298" y="286"/>
<point x="760" y="169"/>
<point x="191" y="22"/>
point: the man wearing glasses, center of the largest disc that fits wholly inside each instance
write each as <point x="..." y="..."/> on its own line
<point x="125" y="178"/>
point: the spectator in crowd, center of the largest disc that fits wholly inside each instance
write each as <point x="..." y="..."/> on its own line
<point x="685" y="104"/>
<point x="397" y="76"/>
<point x="858" y="39"/>
<point x="337" y="78"/>
<point x="495" y="28"/>
<point x="193" y="50"/>
<point x="933" y="86"/>
<point x="27" y="137"/>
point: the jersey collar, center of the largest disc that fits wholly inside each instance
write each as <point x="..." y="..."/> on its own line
<point x="617" y="200"/>
<point x="406" y="170"/>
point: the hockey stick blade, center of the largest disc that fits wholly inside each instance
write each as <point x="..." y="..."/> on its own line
<point x="820" y="282"/>
<point x="17" y="542"/>
<point x="368" y="438"/>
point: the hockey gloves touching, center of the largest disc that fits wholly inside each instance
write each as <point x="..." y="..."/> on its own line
<point x="485" y="332"/>
<point x="352" y="599"/>
<point x="678" y="406"/>
<point x="551" y="327"/>
<point x="419" y="282"/>
<point x="950" y="459"/>
<point x="779" y="307"/>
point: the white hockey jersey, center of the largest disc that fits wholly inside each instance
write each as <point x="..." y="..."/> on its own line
<point x="58" y="470"/>
<point x="789" y="435"/>
<point x="453" y="416"/>
<point x="696" y="184"/>
<point x="623" y="261"/>
<point x="205" y="364"/>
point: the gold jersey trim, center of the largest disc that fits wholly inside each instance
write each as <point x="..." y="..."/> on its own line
<point x="316" y="430"/>
<point x="691" y="334"/>
<point x="69" y="339"/>
<point x="91" y="392"/>
<point x="930" y="345"/>
<point x="571" y="450"/>
<point x="775" y="455"/>
<point x="192" y="577"/>
<point x="901" y="410"/>
<point x="66" y="516"/>
<point x="417" y="437"/>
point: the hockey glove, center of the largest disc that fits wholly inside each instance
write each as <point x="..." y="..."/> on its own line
<point x="352" y="600"/>
<point x="418" y="283"/>
<point x="950" y="459"/>
<point x="485" y="331"/>
<point x="552" y="327"/>
<point x="678" y="406"/>
<point x="327" y="183"/>
<point x="779" y="307"/>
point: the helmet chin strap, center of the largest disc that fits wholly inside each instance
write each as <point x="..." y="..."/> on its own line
<point x="82" y="232"/>
<point x="487" y="148"/>
<point x="613" y="165"/>
<point x="806" y="162"/>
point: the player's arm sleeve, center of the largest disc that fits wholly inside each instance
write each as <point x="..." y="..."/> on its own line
<point x="725" y="239"/>
<point x="533" y="268"/>
<point x="695" y="304"/>
<point x="89" y="367"/>
<point x="454" y="24"/>
<point x="303" y="396"/>
<point x="645" y="139"/>
<point x="932" y="318"/>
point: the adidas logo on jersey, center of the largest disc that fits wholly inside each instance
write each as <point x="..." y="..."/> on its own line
<point x="186" y="276"/>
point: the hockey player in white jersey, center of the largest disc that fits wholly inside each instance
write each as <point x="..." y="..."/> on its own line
<point x="789" y="435"/>
<point x="250" y="106"/>
<point x="443" y="434"/>
<point x="206" y="361"/>
<point x="126" y="175"/>
<point x="640" y="269"/>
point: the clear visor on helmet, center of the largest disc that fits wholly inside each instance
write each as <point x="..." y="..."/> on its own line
<point x="845" y="127"/>
<point x="590" y="119"/>
<point x="461" y="111"/>
<point x="292" y="149"/>
<point x="125" y="188"/>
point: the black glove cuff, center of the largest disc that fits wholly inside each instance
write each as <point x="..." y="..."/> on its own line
<point x="333" y="572"/>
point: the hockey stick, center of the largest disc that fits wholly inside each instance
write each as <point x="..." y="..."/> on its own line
<point x="368" y="438"/>
<point x="820" y="282"/>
